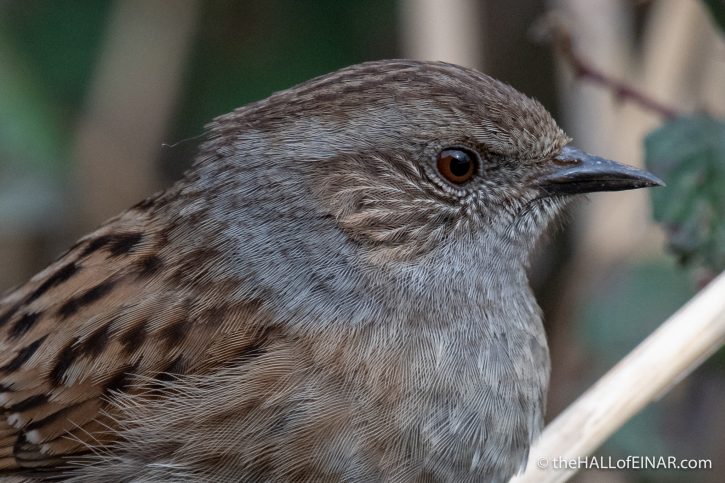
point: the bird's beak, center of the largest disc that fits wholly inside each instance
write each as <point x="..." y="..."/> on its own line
<point x="574" y="171"/>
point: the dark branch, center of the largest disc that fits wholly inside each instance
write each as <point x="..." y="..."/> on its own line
<point x="555" y="32"/>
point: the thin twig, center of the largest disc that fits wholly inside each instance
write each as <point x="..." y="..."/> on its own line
<point x="554" y="30"/>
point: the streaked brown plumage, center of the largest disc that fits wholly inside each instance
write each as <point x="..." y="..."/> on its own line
<point x="311" y="302"/>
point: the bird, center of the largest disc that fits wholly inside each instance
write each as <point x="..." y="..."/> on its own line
<point x="336" y="290"/>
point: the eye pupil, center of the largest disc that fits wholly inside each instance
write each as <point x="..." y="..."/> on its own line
<point x="459" y="167"/>
<point x="456" y="165"/>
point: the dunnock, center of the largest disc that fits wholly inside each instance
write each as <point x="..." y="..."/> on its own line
<point x="336" y="291"/>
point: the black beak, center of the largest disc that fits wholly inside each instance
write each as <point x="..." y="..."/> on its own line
<point x="574" y="171"/>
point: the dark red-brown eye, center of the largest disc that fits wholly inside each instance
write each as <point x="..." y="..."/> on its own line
<point x="456" y="165"/>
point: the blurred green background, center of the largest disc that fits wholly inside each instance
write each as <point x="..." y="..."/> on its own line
<point x="103" y="102"/>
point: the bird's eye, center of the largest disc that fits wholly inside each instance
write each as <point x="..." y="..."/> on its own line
<point x="456" y="165"/>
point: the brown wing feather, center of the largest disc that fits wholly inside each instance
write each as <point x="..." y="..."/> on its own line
<point x="110" y="315"/>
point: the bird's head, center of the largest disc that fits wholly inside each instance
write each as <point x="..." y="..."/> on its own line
<point x="410" y="158"/>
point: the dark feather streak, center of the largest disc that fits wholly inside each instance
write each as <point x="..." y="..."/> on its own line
<point x="8" y="314"/>
<point x="149" y="265"/>
<point x="95" y="343"/>
<point x="133" y="338"/>
<point x="95" y="244"/>
<point x="23" y="355"/>
<point x="124" y="243"/>
<point x="121" y="380"/>
<point x="63" y="361"/>
<point x="174" y="332"/>
<point x="117" y="244"/>
<point x="24" y="324"/>
<point x="92" y="295"/>
<point x="50" y="418"/>
<point x="29" y="403"/>
<point x="60" y="276"/>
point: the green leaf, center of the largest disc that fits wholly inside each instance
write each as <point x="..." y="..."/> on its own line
<point x="29" y="131"/>
<point x="688" y="153"/>
<point x="717" y="10"/>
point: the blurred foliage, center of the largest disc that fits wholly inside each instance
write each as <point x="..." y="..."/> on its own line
<point x="614" y="322"/>
<point x="689" y="154"/>
<point x="244" y="51"/>
<point x="241" y="51"/>
<point x="717" y="10"/>
<point x="628" y="307"/>
<point x="46" y="60"/>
